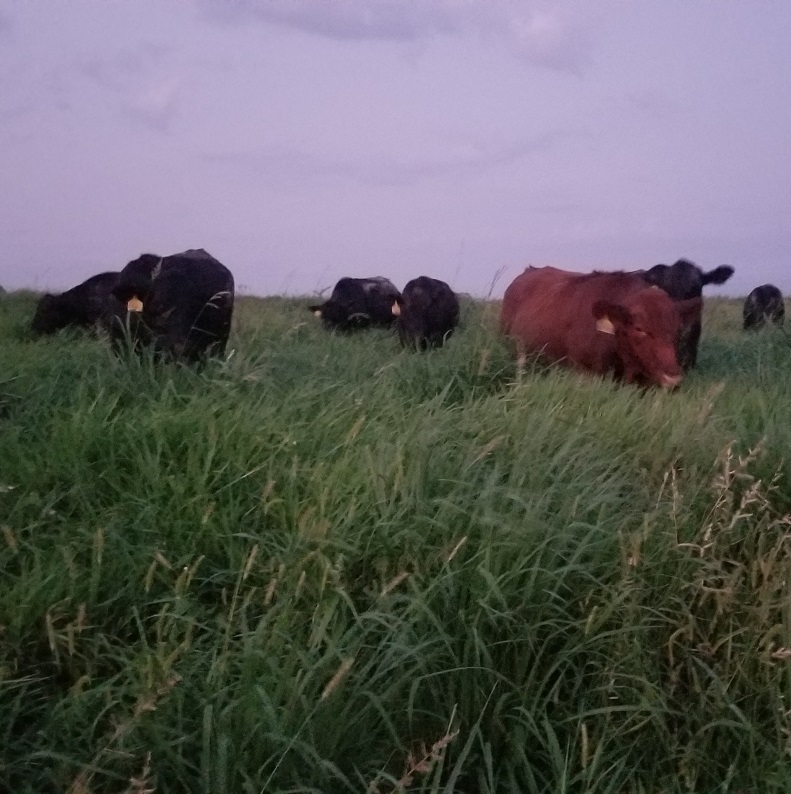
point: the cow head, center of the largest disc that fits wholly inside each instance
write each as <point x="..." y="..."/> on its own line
<point x="53" y="313"/>
<point x="684" y="279"/>
<point x="135" y="279"/>
<point x="645" y="326"/>
<point x="331" y="312"/>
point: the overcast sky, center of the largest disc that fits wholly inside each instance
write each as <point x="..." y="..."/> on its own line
<point x="299" y="141"/>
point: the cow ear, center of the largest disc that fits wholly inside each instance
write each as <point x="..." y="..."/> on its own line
<point x="719" y="275"/>
<point x="396" y="309"/>
<point x="690" y="309"/>
<point x="609" y="315"/>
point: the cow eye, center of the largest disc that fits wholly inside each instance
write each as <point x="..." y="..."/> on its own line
<point x="640" y="331"/>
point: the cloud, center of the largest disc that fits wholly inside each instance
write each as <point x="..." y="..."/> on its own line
<point x="292" y="166"/>
<point x="553" y="39"/>
<point x="157" y="105"/>
<point x="555" y="35"/>
<point x="122" y="71"/>
<point x="342" y="19"/>
<point x="652" y="102"/>
<point x="146" y="87"/>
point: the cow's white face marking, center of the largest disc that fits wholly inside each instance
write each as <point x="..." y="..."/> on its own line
<point x="134" y="305"/>
<point x="604" y="324"/>
<point x="396" y="309"/>
<point x="317" y="312"/>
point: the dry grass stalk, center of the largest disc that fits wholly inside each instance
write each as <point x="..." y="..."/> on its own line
<point x="394" y="582"/>
<point x="335" y="681"/>
<point x="421" y="764"/>
<point x="10" y="539"/>
<point x="142" y="784"/>
<point x="455" y="550"/>
<point x="144" y="705"/>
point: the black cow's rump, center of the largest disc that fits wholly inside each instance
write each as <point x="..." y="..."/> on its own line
<point x="762" y="304"/>
<point x="187" y="303"/>
<point x="88" y="305"/>
<point x="358" y="303"/>
<point x="427" y="312"/>
<point x="681" y="281"/>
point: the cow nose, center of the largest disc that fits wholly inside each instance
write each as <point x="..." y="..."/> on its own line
<point x="670" y="381"/>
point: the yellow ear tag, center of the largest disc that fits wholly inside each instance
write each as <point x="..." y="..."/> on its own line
<point x="317" y="312"/>
<point x="396" y="309"/>
<point x="134" y="305"/>
<point x="604" y="324"/>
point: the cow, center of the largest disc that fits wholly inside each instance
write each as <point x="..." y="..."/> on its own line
<point x="427" y="312"/>
<point x="763" y="303"/>
<point x="187" y="303"/>
<point x="597" y="322"/>
<point x="90" y="304"/>
<point x="684" y="280"/>
<point x="359" y="303"/>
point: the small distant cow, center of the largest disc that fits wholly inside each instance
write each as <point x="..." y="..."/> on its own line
<point x="91" y="304"/>
<point x="187" y="303"/>
<point x="762" y="304"/>
<point x="359" y="303"/>
<point x="684" y="280"/>
<point x="427" y="312"/>
<point x="598" y="322"/>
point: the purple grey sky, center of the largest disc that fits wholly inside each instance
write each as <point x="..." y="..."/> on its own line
<point x="302" y="140"/>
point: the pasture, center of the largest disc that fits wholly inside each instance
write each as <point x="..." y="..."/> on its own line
<point x="328" y="565"/>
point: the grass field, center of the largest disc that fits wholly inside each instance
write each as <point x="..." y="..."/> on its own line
<point x="326" y="565"/>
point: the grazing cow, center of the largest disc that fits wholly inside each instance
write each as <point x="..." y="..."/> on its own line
<point x="359" y="303"/>
<point x="598" y="322"/>
<point x="427" y="312"/>
<point x="88" y="305"/>
<point x="764" y="303"/>
<point x="682" y="281"/>
<point x="187" y="303"/>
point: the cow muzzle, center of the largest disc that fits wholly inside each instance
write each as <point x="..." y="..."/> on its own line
<point x="670" y="381"/>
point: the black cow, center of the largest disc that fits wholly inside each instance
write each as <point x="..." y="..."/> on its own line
<point x="359" y="303"/>
<point x="762" y="304"/>
<point x="91" y="304"/>
<point x="684" y="280"/>
<point x="427" y="312"/>
<point x="187" y="303"/>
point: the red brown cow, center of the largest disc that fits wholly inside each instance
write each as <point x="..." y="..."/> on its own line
<point x="598" y="322"/>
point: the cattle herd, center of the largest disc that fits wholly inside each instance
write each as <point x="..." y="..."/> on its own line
<point x="641" y="327"/>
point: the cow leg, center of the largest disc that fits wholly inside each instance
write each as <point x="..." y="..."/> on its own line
<point x="693" y="342"/>
<point x="521" y="361"/>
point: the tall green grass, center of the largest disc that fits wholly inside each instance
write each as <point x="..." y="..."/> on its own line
<point x="327" y="565"/>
